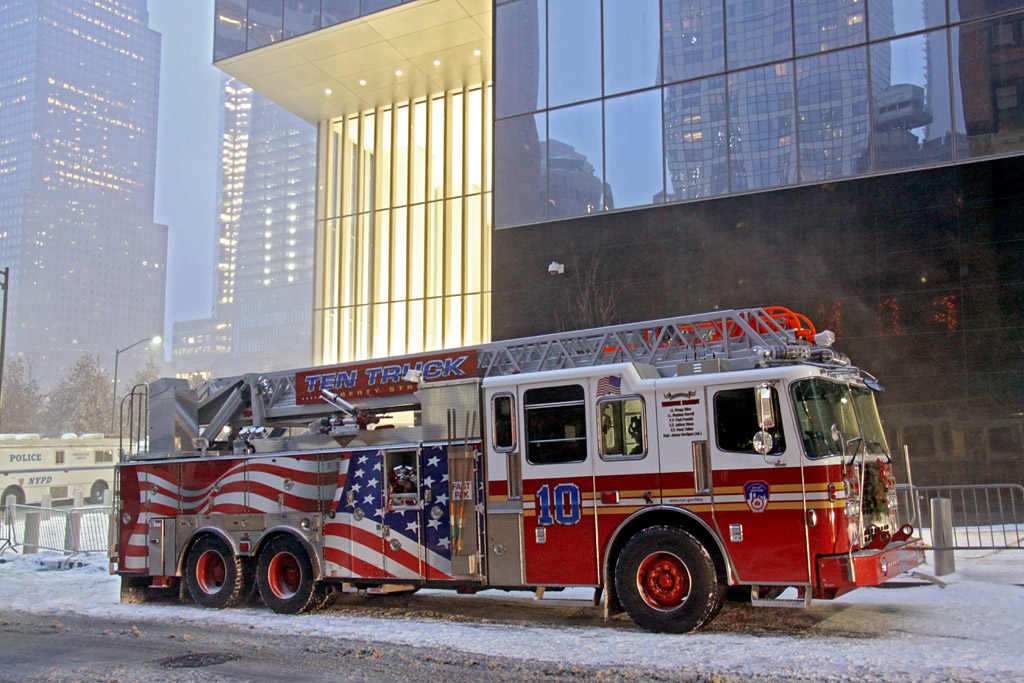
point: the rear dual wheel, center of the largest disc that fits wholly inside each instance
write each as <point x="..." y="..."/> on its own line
<point x="215" y="576"/>
<point x="667" y="582"/>
<point x="284" y="574"/>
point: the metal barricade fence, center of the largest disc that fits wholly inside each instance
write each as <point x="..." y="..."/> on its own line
<point x="29" y="529"/>
<point x="985" y="516"/>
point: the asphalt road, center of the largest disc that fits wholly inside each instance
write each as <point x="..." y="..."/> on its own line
<point x="74" y="648"/>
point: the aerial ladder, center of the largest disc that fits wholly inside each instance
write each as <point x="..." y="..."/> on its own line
<point x="707" y="342"/>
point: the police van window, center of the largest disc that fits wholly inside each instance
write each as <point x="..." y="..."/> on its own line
<point x="623" y="428"/>
<point x="58" y="458"/>
<point x="736" y="421"/>
<point x="502" y="425"/>
<point x="103" y="456"/>
<point x="556" y="425"/>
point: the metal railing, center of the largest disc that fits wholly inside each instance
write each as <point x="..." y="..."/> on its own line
<point x="29" y="529"/>
<point x="985" y="516"/>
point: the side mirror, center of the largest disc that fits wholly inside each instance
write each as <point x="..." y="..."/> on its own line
<point x="765" y="410"/>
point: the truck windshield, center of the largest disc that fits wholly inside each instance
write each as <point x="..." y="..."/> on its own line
<point x="823" y="404"/>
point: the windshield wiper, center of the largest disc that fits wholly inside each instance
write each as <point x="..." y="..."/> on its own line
<point x="860" y="442"/>
<point x="881" y="449"/>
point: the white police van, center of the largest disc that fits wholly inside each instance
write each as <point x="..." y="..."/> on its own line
<point x="31" y="467"/>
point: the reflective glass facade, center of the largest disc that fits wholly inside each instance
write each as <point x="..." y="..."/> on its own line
<point x="744" y="95"/>
<point x="404" y="242"/>
<point x="757" y="108"/>
<point x="244" y="25"/>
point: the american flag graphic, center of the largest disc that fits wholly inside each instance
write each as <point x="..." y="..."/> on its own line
<point x="354" y="545"/>
<point x="609" y="386"/>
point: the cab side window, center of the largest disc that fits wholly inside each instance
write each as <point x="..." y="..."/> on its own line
<point x="556" y="425"/>
<point x="623" y="428"/>
<point x="502" y="424"/>
<point x="736" y="421"/>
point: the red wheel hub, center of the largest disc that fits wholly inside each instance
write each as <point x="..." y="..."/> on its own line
<point x="211" y="571"/>
<point x="284" y="575"/>
<point x="663" y="580"/>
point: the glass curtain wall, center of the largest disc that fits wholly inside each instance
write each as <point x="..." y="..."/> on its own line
<point x="612" y="104"/>
<point x="404" y="243"/>
<point x="244" y="25"/>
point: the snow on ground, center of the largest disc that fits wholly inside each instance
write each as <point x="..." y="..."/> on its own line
<point x="970" y="630"/>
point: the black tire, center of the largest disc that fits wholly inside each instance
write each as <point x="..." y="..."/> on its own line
<point x="666" y="581"/>
<point x="216" y="577"/>
<point x="19" y="495"/>
<point x="284" y="574"/>
<point x="99" y="487"/>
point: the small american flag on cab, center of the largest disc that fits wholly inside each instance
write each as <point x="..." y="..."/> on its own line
<point x="609" y="386"/>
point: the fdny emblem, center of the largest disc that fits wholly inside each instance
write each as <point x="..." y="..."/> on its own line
<point x="757" y="494"/>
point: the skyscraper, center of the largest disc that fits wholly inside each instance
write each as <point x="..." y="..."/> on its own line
<point x="78" y="116"/>
<point x="262" y="311"/>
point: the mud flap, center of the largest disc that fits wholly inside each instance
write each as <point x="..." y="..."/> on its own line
<point x="612" y="606"/>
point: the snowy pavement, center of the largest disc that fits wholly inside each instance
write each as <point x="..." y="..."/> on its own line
<point x="972" y="630"/>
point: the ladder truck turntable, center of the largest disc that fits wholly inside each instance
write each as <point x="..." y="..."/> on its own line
<point x="662" y="463"/>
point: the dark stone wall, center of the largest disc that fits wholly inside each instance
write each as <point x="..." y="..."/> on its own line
<point x="920" y="274"/>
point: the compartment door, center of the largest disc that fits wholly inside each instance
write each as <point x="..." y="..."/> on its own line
<point x="402" y="514"/>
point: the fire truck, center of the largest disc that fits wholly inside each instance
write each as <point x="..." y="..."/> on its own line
<point x="663" y="464"/>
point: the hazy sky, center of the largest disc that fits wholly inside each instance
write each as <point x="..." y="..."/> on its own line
<point x="187" y="152"/>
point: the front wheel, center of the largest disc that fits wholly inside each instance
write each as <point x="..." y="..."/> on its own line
<point x="666" y="581"/>
<point x="215" y="576"/>
<point x="284" y="575"/>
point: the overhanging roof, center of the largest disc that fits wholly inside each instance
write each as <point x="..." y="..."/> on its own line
<point x="296" y="73"/>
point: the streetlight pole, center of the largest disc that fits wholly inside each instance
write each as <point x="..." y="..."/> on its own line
<point x="3" y="337"/>
<point x="117" y="357"/>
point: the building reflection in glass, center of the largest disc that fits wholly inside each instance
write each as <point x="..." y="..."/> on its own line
<point x="753" y="95"/>
<point x="695" y="139"/>
<point x="575" y="162"/>
<point x="762" y="144"/>
<point x="911" y="102"/>
<point x="832" y="97"/>
<point x="988" y="66"/>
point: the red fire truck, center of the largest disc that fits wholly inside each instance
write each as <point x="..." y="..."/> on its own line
<point x="662" y="463"/>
